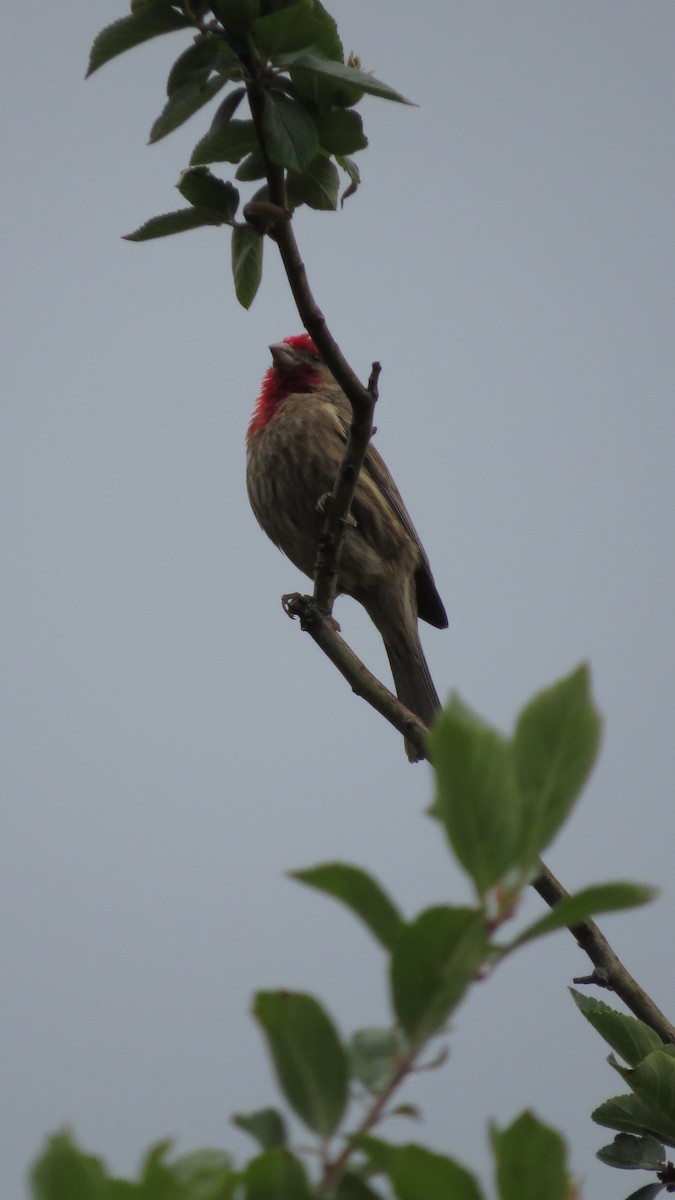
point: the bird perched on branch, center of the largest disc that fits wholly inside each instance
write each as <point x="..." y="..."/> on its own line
<point x="295" y="443"/>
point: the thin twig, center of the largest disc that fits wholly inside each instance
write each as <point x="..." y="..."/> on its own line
<point x="325" y="633"/>
<point x="609" y="970"/>
<point x="340" y="500"/>
<point x="334" y="1169"/>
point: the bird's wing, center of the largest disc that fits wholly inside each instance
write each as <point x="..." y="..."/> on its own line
<point x="430" y="605"/>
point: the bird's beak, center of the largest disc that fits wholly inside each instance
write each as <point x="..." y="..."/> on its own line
<point x="282" y="355"/>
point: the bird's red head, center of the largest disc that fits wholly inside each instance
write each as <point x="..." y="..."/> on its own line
<point x="296" y="368"/>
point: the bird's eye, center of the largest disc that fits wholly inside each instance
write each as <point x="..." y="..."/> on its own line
<point x="316" y="357"/>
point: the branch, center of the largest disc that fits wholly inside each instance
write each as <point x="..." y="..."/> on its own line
<point x="339" y="503"/>
<point x="609" y="970"/>
<point x="333" y="1170"/>
<point x="325" y="632"/>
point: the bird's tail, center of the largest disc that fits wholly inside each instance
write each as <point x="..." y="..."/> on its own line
<point x="414" y="688"/>
<point x="412" y="678"/>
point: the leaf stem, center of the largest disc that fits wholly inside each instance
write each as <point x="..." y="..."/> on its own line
<point x="333" y="1170"/>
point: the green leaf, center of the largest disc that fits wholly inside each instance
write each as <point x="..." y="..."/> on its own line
<point x="207" y="53"/>
<point x="202" y="1175"/>
<point x="227" y="144"/>
<point x="195" y="62"/>
<point x="340" y="131"/>
<point x="174" y="222"/>
<point x="314" y="64"/>
<point x="477" y="797"/>
<point x="631" y="1038"/>
<point x="296" y="28"/>
<point x="653" y="1080"/>
<point x="530" y="1161"/>
<point x="205" y="190"/>
<point x="182" y="103"/>
<point x="308" y="1056"/>
<point x="648" y="1192"/>
<point x="147" y="22"/>
<point x="290" y="134"/>
<point x="631" y="1153"/>
<point x="64" y="1172"/>
<point x="352" y="1187"/>
<point x="418" y="1174"/>
<point x="599" y="898"/>
<point x="435" y="958"/>
<point x="316" y="186"/>
<point x="266" y="1126"/>
<point x="252" y="167"/>
<point x="632" y="1114"/>
<point x="360" y="892"/>
<point x="352" y="171"/>
<point x="327" y="42"/>
<point x="374" y="1055"/>
<point x="226" y="109"/>
<point x="237" y="16"/>
<point x="247" y="259"/>
<point x="379" y="1154"/>
<point x="121" y="1189"/>
<point x="157" y="1181"/>
<point x="555" y="744"/>
<point x="276" y="1175"/>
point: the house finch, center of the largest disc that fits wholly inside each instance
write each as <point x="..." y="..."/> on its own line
<point x="295" y="444"/>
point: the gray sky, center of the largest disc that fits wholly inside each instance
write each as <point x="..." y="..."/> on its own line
<point x="173" y="743"/>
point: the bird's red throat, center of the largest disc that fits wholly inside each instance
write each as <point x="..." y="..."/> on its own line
<point x="279" y="383"/>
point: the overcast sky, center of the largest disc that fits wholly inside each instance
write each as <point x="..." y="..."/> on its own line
<point x="172" y="743"/>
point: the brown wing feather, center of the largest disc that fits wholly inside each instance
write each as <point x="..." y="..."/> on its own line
<point x="429" y="604"/>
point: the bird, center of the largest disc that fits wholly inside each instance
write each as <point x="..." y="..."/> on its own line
<point x="295" y="444"/>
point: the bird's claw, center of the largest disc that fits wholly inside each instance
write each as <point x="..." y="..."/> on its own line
<point x="294" y="604"/>
<point x="306" y="610"/>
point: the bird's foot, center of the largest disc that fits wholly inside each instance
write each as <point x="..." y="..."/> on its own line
<point x="295" y="604"/>
<point x="306" y="609"/>
<point x="323" y="505"/>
